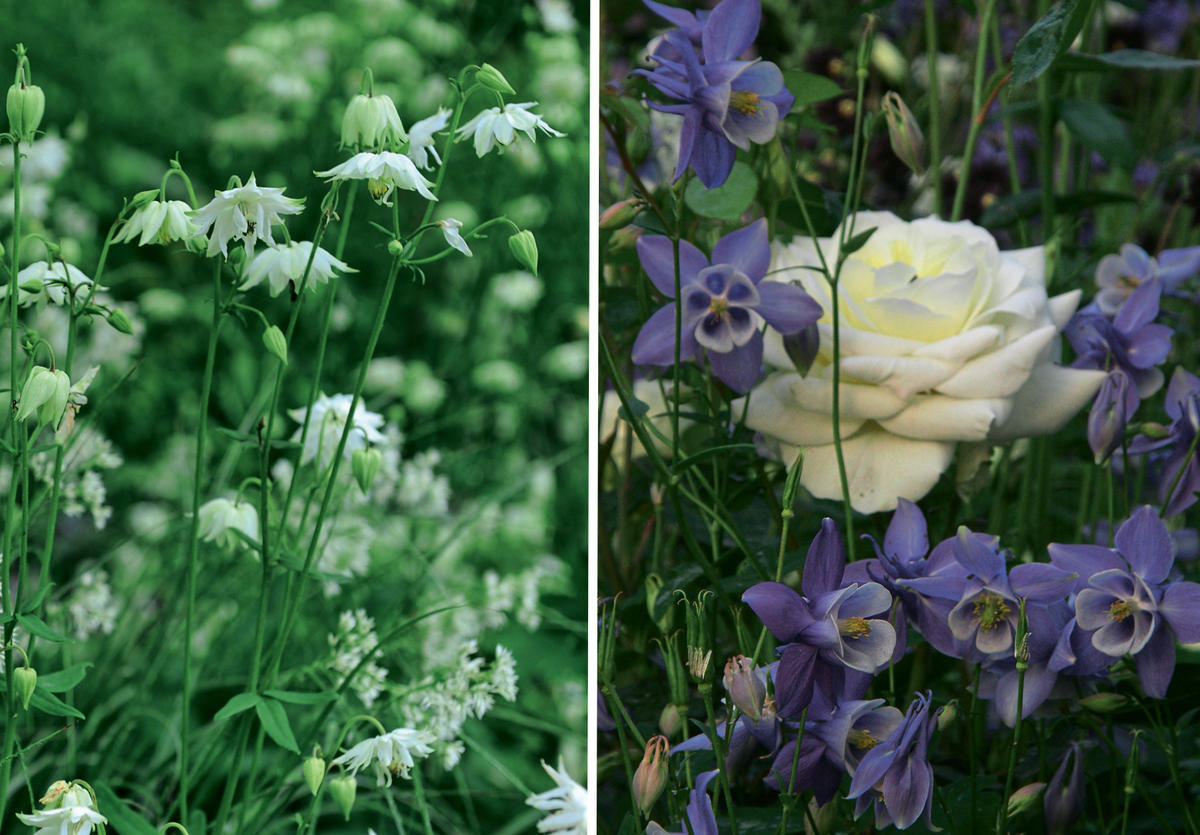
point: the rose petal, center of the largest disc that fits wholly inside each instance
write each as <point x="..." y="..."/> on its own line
<point x="1001" y="372"/>
<point x="1051" y="396"/>
<point x="936" y="418"/>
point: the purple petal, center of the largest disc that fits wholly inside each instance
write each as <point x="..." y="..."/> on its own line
<point x="1041" y="582"/>
<point x="982" y="561"/>
<point x="868" y="600"/>
<point x="825" y="562"/>
<point x="711" y="157"/>
<point x="1115" y="637"/>
<point x="786" y="307"/>
<point x="794" y="679"/>
<point x="1084" y="560"/>
<point x="1149" y="346"/>
<point x="739" y="369"/>
<point x="1145" y="543"/>
<point x="906" y="791"/>
<point x="730" y="29"/>
<point x="907" y="536"/>
<point x="1176" y="265"/>
<point x="943" y="586"/>
<point x="658" y="260"/>
<point x="746" y="250"/>
<point x="655" y="343"/>
<point x="691" y="131"/>
<point x="1140" y="308"/>
<point x="1180" y="606"/>
<point x="781" y="609"/>
<point x="680" y="17"/>
<point x="872" y="651"/>
<point x="1156" y="664"/>
<point x="1039" y="681"/>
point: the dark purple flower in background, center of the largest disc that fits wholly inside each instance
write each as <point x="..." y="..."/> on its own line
<point x="725" y="304"/>
<point x="700" y="819"/>
<point x="728" y="103"/>
<point x="1180" y="479"/>
<point x="896" y="774"/>
<point x="1063" y="800"/>
<point x="1127" y="605"/>
<point x="1110" y="415"/>
<point x="834" y="626"/>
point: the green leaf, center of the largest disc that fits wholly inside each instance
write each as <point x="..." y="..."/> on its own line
<point x="857" y="241"/>
<point x="120" y="817"/>
<point x="64" y="680"/>
<point x="709" y="453"/>
<point x="36" y="626"/>
<point x="809" y="88"/>
<point x="1039" y="46"/>
<point x="636" y="406"/>
<point x="1098" y="129"/>
<point x="297" y="698"/>
<point x="47" y="702"/>
<point x="275" y="723"/>
<point x="728" y="200"/>
<point x="1008" y="210"/>
<point x="1123" y="59"/>
<point x="240" y="702"/>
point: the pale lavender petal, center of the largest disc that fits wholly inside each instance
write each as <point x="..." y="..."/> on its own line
<point x="997" y="639"/>
<point x="1041" y="582"/>
<point x="1144" y="541"/>
<point x="873" y="650"/>
<point x="1084" y="560"/>
<point x="1149" y="346"/>
<point x="1114" y="581"/>
<point x="680" y="17"/>
<point x="740" y="368"/>
<point x="982" y="561"/>
<point x="1114" y="638"/>
<point x="786" y="307"/>
<point x="1180" y="605"/>
<point x="746" y="249"/>
<point x="1092" y="609"/>
<point x="1156" y="664"/>
<point x="1145" y="625"/>
<point x="1140" y="308"/>
<point x="658" y="260"/>
<point x="730" y="29"/>
<point x="962" y="621"/>
<point x="907" y="535"/>
<point x="825" y="562"/>
<point x="868" y="600"/>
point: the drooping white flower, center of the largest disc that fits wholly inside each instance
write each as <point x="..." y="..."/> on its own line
<point x="158" y="222"/>
<point x="495" y="126"/>
<point x="371" y="122"/>
<point x="245" y="213"/>
<point x="420" y="139"/>
<point x="454" y="238"/>
<point x="222" y="519"/>
<point x="385" y="172"/>
<point x="67" y="810"/>
<point x="44" y="281"/>
<point x="567" y="804"/>
<point x="393" y="753"/>
<point x="282" y="264"/>
<point x="326" y="424"/>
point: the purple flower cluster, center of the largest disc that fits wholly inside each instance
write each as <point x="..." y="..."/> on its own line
<point x="726" y="103"/>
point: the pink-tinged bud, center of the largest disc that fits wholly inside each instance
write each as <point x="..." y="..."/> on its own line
<point x="908" y="143"/>
<point x="624" y="238"/>
<point x="672" y="719"/>
<point x="1025" y="798"/>
<point x="745" y="687"/>
<point x="650" y="779"/>
<point x="620" y="214"/>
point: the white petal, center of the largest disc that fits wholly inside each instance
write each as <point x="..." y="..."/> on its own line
<point x="1001" y="372"/>
<point x="1062" y="308"/>
<point x="903" y="376"/>
<point x="936" y="418"/>
<point x="1049" y="398"/>
<point x="773" y="412"/>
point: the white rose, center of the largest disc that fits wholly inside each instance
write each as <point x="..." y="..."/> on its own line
<point x="943" y="339"/>
<point x="657" y="415"/>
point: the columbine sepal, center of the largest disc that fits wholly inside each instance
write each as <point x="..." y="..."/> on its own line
<point x="650" y="779"/>
<point x="493" y="79"/>
<point x="343" y="790"/>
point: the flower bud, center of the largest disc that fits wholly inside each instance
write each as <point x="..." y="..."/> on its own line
<point x="524" y="249"/>
<point x="364" y="463"/>
<point x="672" y="719"/>
<point x="45" y="393"/>
<point x="1104" y="702"/>
<point x="947" y="716"/>
<point x="143" y="198"/>
<point x="744" y="686"/>
<point x="276" y="343"/>
<point x="395" y="247"/>
<point x="620" y="214"/>
<point x="624" y="238"/>
<point x="343" y="790"/>
<point x="651" y="776"/>
<point x="1107" y="419"/>
<point x="493" y="79"/>
<point x="802" y="347"/>
<point x="1063" y="800"/>
<point x="371" y="121"/>
<point x="1025" y="798"/>
<point x="53" y="796"/>
<point x="908" y="143"/>
<point x="24" y="682"/>
<point x="26" y="103"/>
<point x="314" y="772"/>
<point x="119" y="319"/>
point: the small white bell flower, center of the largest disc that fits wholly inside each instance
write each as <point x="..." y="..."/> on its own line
<point x="420" y="139"/>
<point x="245" y="213"/>
<point x="454" y="238"/>
<point x="371" y="121"/>
<point x="284" y="263"/>
<point x="393" y="753"/>
<point x="68" y="809"/>
<point x="159" y="222"/>
<point x="495" y="126"/>
<point x="220" y="518"/>
<point x="48" y="281"/>
<point x="385" y="171"/>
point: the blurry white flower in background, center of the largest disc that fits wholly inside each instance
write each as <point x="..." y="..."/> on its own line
<point x="53" y="282"/>
<point x="221" y="520"/>
<point x="327" y="420"/>
<point x="354" y="641"/>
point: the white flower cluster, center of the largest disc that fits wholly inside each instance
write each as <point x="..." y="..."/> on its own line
<point x="42" y="162"/>
<point x="567" y="804"/>
<point x="394" y="753"/>
<point x="346" y="552"/>
<point x="82" y="486"/>
<point x="419" y="490"/>
<point x="444" y="701"/>
<point x="355" y="640"/>
<point x="92" y="608"/>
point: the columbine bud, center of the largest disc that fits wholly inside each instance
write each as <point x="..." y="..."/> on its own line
<point x="276" y="343"/>
<point x="651" y="776"/>
<point x="672" y="719"/>
<point x="1063" y="800"/>
<point x="119" y="319"/>
<point x="624" y="238"/>
<point x="493" y="79"/>
<point x="802" y="347"/>
<point x="1104" y="702"/>
<point x="53" y="794"/>
<point x="372" y="122"/>
<point x="744" y="686"/>
<point x="620" y="214"/>
<point x="364" y="463"/>
<point x="947" y="716"/>
<point x="524" y="249"/>
<point x="45" y="393"/>
<point x="314" y="772"/>
<point x="144" y="197"/>
<point x="1107" y="419"/>
<point x="26" y="102"/>
<point x="343" y="789"/>
<point x="395" y="247"/>
<point x="908" y="143"/>
<point x="1025" y="798"/>
<point x="24" y="681"/>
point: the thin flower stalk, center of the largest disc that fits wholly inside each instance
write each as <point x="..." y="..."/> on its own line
<point x="964" y="174"/>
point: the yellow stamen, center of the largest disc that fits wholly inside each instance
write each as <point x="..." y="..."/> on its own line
<point x="854" y="627"/>
<point x="862" y="740"/>
<point x="744" y="102"/>
<point x="1119" y="610"/>
<point x="990" y="610"/>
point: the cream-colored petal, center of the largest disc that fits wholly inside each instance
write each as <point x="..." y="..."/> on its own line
<point x="1033" y="259"/>
<point x="880" y="468"/>
<point x="815" y="393"/>
<point x="1062" y="307"/>
<point x="903" y="376"/>
<point x="1049" y="398"/>
<point x="961" y="347"/>
<point x="937" y="418"/>
<point x="1002" y="372"/>
<point x="856" y="342"/>
<point x="773" y="412"/>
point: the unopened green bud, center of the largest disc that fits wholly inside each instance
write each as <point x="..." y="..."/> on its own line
<point x="395" y="247"/>
<point x="24" y="682"/>
<point x="26" y="103"/>
<point x="44" y="394"/>
<point x="672" y="719"/>
<point x="144" y="197"/>
<point x="947" y="716"/>
<point x="371" y="121"/>
<point x="364" y="463"/>
<point x="908" y="143"/>
<point x="1104" y="702"/>
<point x="119" y="319"/>
<point x="624" y="238"/>
<point x="493" y="79"/>
<point x="1154" y="431"/>
<point x="276" y="343"/>
<point x="620" y="214"/>
<point x="1025" y="798"/>
<point x="524" y="249"/>
<point x="650" y="779"/>
<point x="343" y="790"/>
<point x="314" y="772"/>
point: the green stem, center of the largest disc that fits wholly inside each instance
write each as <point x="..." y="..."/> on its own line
<point x="964" y="173"/>
<point x="419" y="793"/>
<point x="935" y="119"/>
<point x="719" y="751"/>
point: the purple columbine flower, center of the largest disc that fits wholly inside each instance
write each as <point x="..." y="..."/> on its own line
<point x="1127" y="601"/>
<point x="1110" y="415"/>
<point x="700" y="819"/>
<point x="1063" y="800"/>
<point x="727" y="103"/>
<point x="896" y="773"/>
<point x="725" y="304"/>
<point x="832" y="628"/>
<point x="1118" y="276"/>
<point x="1181" y="471"/>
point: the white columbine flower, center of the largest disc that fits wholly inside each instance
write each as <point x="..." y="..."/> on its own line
<point x="284" y="263"/>
<point x="326" y="424"/>
<point x="44" y="281"/>
<point x="420" y="138"/>
<point x="220" y="518"/>
<point x="371" y="122"/>
<point x="385" y="171"/>
<point x="159" y="222"/>
<point x="494" y="126"/>
<point x="567" y="802"/>
<point x="393" y="753"/>
<point x="67" y="810"/>
<point x="450" y="228"/>
<point x="246" y="213"/>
